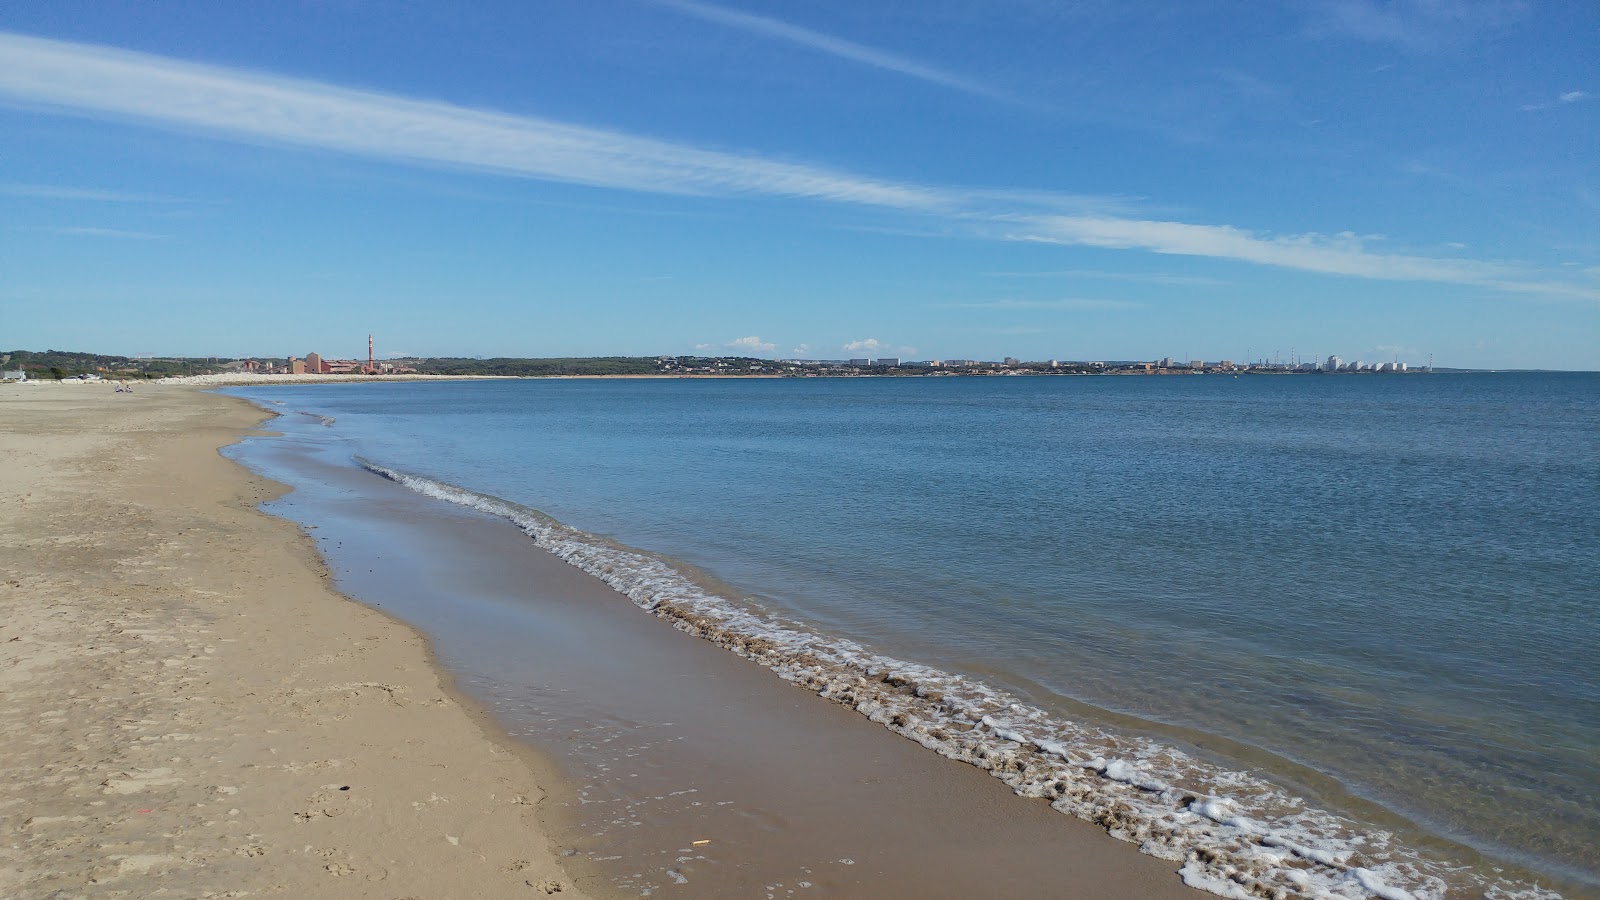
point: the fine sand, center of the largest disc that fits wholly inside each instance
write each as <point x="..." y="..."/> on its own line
<point x="187" y="710"/>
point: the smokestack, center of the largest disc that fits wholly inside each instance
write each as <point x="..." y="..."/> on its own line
<point x="371" y="369"/>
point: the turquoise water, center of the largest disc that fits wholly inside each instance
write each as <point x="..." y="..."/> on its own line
<point x="1386" y="580"/>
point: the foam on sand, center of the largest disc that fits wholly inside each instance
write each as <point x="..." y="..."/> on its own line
<point x="1235" y="834"/>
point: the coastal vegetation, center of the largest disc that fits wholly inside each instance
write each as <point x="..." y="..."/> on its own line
<point x="60" y="364"/>
<point x="68" y="363"/>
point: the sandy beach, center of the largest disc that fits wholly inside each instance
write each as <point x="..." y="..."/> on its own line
<point x="190" y="711"/>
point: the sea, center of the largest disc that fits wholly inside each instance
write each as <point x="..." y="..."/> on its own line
<point x="1320" y="635"/>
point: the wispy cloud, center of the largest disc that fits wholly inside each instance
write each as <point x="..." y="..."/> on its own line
<point x="834" y="46"/>
<point x="1342" y="254"/>
<point x="1079" y="303"/>
<point x="1413" y="24"/>
<point x="119" y="84"/>
<point x="91" y="231"/>
<point x="1145" y="277"/>
<point x="865" y="344"/>
<point x="232" y="104"/>
<point x="1397" y="350"/>
<point x="57" y="192"/>
<point x="1560" y="100"/>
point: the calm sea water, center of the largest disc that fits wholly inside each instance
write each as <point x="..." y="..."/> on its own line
<point x="1389" y="581"/>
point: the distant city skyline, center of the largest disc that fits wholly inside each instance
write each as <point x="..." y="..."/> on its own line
<point x="643" y="177"/>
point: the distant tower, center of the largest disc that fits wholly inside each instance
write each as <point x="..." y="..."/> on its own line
<point x="370" y="367"/>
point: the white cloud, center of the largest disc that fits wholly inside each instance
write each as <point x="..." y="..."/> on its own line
<point x="801" y="349"/>
<point x="232" y="103"/>
<point x="744" y="346"/>
<point x="112" y="84"/>
<point x="1560" y="100"/>
<point x="1343" y="254"/>
<point x="805" y="37"/>
<point x="867" y="344"/>
<point x="751" y="344"/>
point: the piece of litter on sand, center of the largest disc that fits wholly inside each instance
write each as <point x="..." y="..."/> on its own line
<point x="700" y="843"/>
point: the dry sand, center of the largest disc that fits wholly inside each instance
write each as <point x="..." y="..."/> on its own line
<point x="187" y="710"/>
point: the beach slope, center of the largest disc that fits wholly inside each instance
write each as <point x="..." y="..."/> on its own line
<point x="188" y="709"/>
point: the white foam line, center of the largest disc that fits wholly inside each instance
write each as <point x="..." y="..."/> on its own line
<point x="1236" y="835"/>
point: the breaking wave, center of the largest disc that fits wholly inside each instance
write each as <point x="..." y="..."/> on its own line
<point x="1235" y="834"/>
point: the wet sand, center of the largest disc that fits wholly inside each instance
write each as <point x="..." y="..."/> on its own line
<point x="692" y="771"/>
<point x="188" y="710"/>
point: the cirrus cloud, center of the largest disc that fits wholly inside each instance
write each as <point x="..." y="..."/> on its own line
<point x="109" y="84"/>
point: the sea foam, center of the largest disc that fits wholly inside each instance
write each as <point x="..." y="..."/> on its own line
<point x="1235" y="834"/>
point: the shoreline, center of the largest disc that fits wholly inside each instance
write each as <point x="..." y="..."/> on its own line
<point x="669" y="737"/>
<point x="740" y="636"/>
<point x="191" y="709"/>
<point x="181" y="446"/>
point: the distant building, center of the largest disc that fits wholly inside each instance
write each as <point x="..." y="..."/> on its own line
<point x="314" y="364"/>
<point x="888" y="361"/>
<point x="1334" y="364"/>
<point x="1165" y="363"/>
<point x="1013" y="361"/>
<point x="861" y="363"/>
<point x="296" y="366"/>
<point x="1197" y="364"/>
<point x="18" y="375"/>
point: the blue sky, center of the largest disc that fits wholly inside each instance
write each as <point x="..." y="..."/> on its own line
<point x="945" y="178"/>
